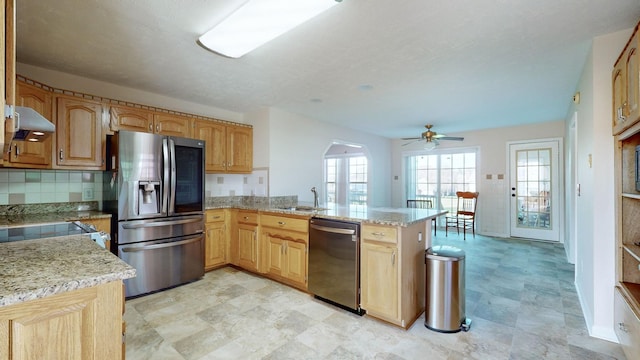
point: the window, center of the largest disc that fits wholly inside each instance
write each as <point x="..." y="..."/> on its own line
<point x="346" y="175"/>
<point x="439" y="176"/>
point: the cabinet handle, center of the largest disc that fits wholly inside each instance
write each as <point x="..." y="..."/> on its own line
<point x="61" y="155"/>
<point x="393" y="258"/>
<point x="158" y="128"/>
<point x="377" y="233"/>
<point x="17" y="150"/>
<point x="282" y="223"/>
<point x="246" y="218"/>
<point x="150" y="127"/>
<point x="217" y="217"/>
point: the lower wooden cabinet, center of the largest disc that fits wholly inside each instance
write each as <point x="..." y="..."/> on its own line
<point x="83" y="324"/>
<point x="626" y="325"/>
<point x="392" y="272"/>
<point x="286" y="256"/>
<point x="244" y="242"/>
<point x="216" y="241"/>
<point x="379" y="280"/>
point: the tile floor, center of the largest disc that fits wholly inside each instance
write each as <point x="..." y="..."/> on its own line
<point x="519" y="295"/>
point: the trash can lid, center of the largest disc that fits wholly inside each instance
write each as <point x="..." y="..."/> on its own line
<point x="445" y="251"/>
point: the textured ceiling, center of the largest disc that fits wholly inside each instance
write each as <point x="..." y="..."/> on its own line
<point x="384" y="67"/>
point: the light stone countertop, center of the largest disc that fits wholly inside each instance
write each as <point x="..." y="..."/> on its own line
<point x="15" y="220"/>
<point x="364" y="214"/>
<point x="33" y="269"/>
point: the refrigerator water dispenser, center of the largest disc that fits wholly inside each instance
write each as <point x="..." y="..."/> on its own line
<point x="148" y="197"/>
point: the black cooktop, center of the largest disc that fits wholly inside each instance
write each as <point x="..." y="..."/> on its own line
<point x="39" y="231"/>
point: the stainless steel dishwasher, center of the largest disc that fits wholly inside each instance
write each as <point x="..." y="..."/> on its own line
<point x="334" y="262"/>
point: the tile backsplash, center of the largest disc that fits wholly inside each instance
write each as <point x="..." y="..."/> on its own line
<point x="20" y="186"/>
<point x="28" y="186"/>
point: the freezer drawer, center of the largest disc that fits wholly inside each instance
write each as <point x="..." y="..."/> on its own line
<point x="163" y="263"/>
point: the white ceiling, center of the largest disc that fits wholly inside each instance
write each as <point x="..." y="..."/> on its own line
<point x="384" y="67"/>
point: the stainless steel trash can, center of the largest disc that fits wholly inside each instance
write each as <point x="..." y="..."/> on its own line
<point x="445" y="289"/>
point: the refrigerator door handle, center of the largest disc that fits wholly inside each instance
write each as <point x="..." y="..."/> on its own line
<point x="161" y="245"/>
<point x="172" y="193"/>
<point x="148" y="224"/>
<point x="165" y="176"/>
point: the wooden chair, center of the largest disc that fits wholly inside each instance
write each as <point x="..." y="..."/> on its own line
<point x="465" y="216"/>
<point x="423" y="204"/>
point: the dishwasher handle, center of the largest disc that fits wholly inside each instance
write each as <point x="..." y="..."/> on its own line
<point x="333" y="230"/>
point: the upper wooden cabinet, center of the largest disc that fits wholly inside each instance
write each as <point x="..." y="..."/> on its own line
<point x="131" y="118"/>
<point x="80" y="141"/>
<point x="144" y="120"/>
<point x="229" y="147"/>
<point x="626" y="86"/>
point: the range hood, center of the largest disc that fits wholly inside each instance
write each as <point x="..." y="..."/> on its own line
<point x="31" y="126"/>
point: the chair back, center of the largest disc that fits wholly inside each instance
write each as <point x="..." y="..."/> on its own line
<point x="467" y="202"/>
<point x="420" y="204"/>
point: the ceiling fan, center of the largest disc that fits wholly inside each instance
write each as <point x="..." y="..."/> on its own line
<point x="432" y="138"/>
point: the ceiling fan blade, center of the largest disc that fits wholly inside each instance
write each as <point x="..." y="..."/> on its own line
<point x="456" y="138"/>
<point x="415" y="140"/>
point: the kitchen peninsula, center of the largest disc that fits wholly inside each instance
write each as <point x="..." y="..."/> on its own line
<point x="61" y="296"/>
<point x="273" y="241"/>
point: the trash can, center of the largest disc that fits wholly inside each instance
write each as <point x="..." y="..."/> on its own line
<point x="444" y="290"/>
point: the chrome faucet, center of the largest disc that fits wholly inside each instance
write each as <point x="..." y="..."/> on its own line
<point x="315" y="197"/>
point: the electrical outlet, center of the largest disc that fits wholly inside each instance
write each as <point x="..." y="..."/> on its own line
<point x="87" y="194"/>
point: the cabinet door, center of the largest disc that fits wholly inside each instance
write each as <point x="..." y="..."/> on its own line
<point x="632" y="80"/>
<point x="379" y="280"/>
<point x="132" y="119"/>
<point x="247" y="247"/>
<point x="79" y="138"/>
<point x="275" y="254"/>
<point x="215" y="245"/>
<point x="80" y="324"/>
<point x="27" y="152"/>
<point x="619" y="98"/>
<point x="239" y="149"/>
<point x="296" y="262"/>
<point x="172" y="125"/>
<point x="214" y="134"/>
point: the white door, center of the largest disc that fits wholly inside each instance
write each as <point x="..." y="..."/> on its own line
<point x="534" y="183"/>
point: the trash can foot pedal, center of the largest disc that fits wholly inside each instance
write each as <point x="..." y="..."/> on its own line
<point x="466" y="325"/>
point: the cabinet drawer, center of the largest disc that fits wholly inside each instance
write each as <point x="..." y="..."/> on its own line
<point x="626" y="326"/>
<point x="247" y="217"/>
<point x="283" y="222"/>
<point x="214" y="215"/>
<point x="388" y="234"/>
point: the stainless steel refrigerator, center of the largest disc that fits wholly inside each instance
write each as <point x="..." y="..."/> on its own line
<point x="155" y="191"/>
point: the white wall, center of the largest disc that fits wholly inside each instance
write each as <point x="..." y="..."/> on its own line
<point x="296" y="147"/>
<point x="595" y="238"/>
<point x="64" y="81"/>
<point x="493" y="202"/>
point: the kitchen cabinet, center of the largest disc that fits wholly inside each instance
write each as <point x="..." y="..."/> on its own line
<point x="216" y="239"/>
<point x="392" y="272"/>
<point x="80" y="140"/>
<point x="146" y="120"/>
<point x="627" y="183"/>
<point x="286" y="243"/>
<point x="8" y="65"/>
<point x="244" y="245"/>
<point x="626" y="86"/>
<point x="80" y="324"/>
<point x="27" y="154"/>
<point x="229" y="147"/>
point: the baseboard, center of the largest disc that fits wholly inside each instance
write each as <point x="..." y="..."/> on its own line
<point x="601" y="332"/>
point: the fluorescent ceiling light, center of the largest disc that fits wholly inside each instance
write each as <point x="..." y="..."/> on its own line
<point x="258" y="22"/>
